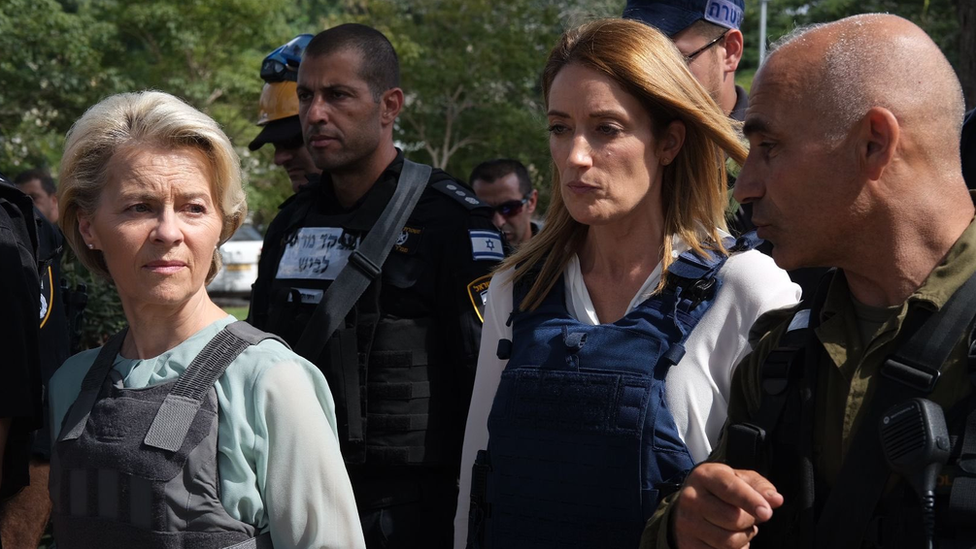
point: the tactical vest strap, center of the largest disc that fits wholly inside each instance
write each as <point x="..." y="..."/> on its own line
<point x="745" y="440"/>
<point x="365" y="265"/>
<point x="261" y="542"/>
<point x="175" y="415"/>
<point x="911" y="371"/>
<point x="78" y="414"/>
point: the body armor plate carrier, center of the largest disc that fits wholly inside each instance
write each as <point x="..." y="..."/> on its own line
<point x="582" y="444"/>
<point x="138" y="467"/>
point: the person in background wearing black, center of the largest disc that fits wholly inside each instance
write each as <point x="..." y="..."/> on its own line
<point x="504" y="184"/>
<point x="20" y="391"/>
<point x="24" y="518"/>
<point x="278" y="113"/>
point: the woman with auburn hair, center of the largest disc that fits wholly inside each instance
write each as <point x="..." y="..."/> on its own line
<point x="611" y="337"/>
<point x="186" y="429"/>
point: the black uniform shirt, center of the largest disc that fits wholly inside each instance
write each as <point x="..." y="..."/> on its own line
<point x="432" y="271"/>
<point x="20" y="394"/>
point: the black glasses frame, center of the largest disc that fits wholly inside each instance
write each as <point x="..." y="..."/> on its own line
<point x="691" y="56"/>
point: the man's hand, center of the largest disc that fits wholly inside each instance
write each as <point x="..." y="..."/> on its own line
<point x="720" y="507"/>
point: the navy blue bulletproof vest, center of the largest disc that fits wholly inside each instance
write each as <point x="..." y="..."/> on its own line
<point x="582" y="444"/>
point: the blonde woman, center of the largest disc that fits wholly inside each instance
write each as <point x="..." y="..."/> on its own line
<point x="610" y="339"/>
<point x="186" y="429"/>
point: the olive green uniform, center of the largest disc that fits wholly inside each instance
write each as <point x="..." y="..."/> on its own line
<point x="848" y="369"/>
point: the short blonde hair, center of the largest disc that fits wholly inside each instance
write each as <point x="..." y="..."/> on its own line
<point x="142" y="119"/>
<point x="647" y="65"/>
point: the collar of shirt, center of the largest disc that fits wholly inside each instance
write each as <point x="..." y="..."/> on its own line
<point x="838" y="328"/>
<point x="741" y="104"/>
<point x="363" y="214"/>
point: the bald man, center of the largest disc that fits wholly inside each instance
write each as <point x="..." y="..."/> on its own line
<point x="854" y="163"/>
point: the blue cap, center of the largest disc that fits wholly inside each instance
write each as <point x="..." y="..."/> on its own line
<point x="674" y="16"/>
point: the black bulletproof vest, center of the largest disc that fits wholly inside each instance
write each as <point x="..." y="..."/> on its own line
<point x="138" y="467"/>
<point x="376" y="365"/>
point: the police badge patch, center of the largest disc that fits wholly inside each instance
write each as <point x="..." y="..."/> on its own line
<point x="478" y="292"/>
<point x="409" y="240"/>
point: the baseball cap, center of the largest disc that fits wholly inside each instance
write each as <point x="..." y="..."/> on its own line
<point x="674" y="16"/>
<point x="278" y="131"/>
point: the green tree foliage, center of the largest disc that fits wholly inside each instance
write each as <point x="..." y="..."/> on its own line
<point x="937" y="17"/>
<point x="470" y="71"/>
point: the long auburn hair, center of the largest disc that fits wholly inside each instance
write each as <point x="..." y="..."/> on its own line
<point x="647" y="65"/>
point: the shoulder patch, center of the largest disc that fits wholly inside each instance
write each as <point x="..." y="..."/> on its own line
<point x="486" y="245"/>
<point x="773" y="320"/>
<point x="461" y="193"/>
<point x="478" y="292"/>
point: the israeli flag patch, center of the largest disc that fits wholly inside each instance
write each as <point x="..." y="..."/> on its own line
<point x="486" y="245"/>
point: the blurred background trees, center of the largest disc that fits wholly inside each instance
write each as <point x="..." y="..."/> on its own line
<point x="470" y="67"/>
<point x="470" y="70"/>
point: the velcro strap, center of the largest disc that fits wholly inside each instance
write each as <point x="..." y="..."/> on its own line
<point x="172" y="422"/>
<point x="776" y="370"/>
<point x="397" y="422"/>
<point x="743" y="442"/>
<point x="397" y="359"/>
<point x="395" y="454"/>
<point x="674" y="353"/>
<point x="962" y="501"/>
<point x="918" y="377"/>
<point x="399" y="391"/>
<point x="263" y="541"/>
<point x="504" y="351"/>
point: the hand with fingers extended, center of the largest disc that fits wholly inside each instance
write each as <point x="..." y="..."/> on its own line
<point x="720" y="507"/>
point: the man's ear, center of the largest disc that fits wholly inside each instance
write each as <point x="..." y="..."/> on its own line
<point x="390" y="104"/>
<point x="733" y="50"/>
<point x="533" y="200"/>
<point x="878" y="133"/>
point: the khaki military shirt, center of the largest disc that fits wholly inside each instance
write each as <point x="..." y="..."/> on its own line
<point x="848" y="369"/>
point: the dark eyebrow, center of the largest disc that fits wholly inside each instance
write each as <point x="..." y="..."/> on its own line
<point x="754" y="126"/>
<point x="557" y="113"/>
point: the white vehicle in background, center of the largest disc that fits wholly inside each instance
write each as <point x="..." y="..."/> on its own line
<point x="240" y="258"/>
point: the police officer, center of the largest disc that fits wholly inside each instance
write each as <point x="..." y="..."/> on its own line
<point x="278" y="112"/>
<point x="20" y="391"/>
<point x="401" y="362"/>
<point x="841" y="419"/>
<point x="24" y="518"/>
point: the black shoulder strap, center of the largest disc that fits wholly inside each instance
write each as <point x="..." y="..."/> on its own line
<point x="364" y="263"/>
<point x="911" y="371"/>
<point x="175" y="415"/>
<point x="77" y="416"/>
<point x="780" y="367"/>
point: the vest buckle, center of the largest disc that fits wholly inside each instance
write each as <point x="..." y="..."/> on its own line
<point x="915" y="376"/>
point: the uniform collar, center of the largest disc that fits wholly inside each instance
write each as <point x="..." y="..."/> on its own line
<point x="367" y="210"/>
<point x="741" y="104"/>
<point x="838" y="328"/>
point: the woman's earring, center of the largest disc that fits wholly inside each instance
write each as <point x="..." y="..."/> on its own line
<point x="91" y="246"/>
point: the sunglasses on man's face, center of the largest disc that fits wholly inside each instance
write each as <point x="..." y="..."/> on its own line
<point x="512" y="207"/>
